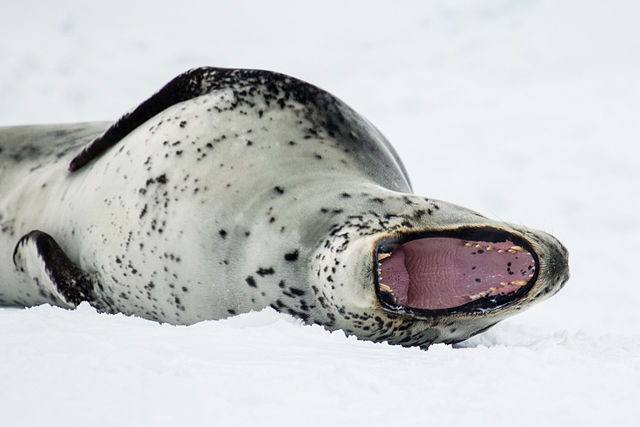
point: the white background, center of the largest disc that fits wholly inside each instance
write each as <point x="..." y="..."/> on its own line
<point x="526" y="111"/>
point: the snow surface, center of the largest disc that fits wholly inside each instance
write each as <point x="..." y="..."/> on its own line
<point x="526" y="111"/>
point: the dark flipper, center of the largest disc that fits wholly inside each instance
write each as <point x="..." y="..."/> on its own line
<point x="39" y="257"/>
<point x="275" y="89"/>
<point x="186" y="86"/>
<point x="189" y="85"/>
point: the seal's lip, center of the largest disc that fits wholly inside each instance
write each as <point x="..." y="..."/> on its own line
<point x="483" y="305"/>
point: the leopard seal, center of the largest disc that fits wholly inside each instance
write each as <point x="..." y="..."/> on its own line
<point x="231" y="190"/>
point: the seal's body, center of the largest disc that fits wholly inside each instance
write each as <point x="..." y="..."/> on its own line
<point x="234" y="190"/>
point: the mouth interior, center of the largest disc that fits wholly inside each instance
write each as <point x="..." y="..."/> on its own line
<point x="436" y="273"/>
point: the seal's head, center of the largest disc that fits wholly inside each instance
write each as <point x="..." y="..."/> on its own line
<point x="435" y="272"/>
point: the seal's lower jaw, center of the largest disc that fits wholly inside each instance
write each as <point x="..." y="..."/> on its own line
<point x="470" y="270"/>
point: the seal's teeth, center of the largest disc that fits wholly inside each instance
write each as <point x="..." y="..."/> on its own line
<point x="492" y="289"/>
<point x="500" y="251"/>
<point x="479" y="246"/>
<point x="478" y="295"/>
<point x="530" y="276"/>
<point x="385" y="288"/>
<point x="489" y="248"/>
<point x="519" y="282"/>
<point x="382" y="256"/>
<point x="504" y="283"/>
<point x="516" y="248"/>
<point x="468" y="244"/>
<point x="512" y="251"/>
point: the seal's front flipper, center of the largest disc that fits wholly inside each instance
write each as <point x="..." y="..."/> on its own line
<point x="38" y="256"/>
<point x="188" y="85"/>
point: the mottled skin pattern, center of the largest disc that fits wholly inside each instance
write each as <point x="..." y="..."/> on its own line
<point x="231" y="191"/>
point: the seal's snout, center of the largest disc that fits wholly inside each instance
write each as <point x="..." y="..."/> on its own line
<point x="560" y="266"/>
<point x="565" y="277"/>
<point x="556" y="260"/>
<point x="559" y="261"/>
<point x="559" y="274"/>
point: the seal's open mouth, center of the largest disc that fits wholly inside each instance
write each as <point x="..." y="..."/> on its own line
<point x="466" y="270"/>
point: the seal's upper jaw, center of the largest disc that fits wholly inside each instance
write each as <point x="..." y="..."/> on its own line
<point x="462" y="271"/>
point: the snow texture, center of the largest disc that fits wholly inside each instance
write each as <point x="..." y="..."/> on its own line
<point x="526" y="111"/>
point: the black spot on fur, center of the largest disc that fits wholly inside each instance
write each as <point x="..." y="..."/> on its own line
<point x="144" y="211"/>
<point x="296" y="291"/>
<point x="265" y="271"/>
<point x="251" y="281"/>
<point x="291" y="256"/>
<point x="223" y="234"/>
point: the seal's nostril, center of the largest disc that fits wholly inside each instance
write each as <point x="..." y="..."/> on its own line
<point x="564" y="279"/>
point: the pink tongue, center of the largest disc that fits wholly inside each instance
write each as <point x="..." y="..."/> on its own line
<point x="442" y="272"/>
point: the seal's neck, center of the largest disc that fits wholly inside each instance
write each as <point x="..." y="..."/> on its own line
<point x="347" y="224"/>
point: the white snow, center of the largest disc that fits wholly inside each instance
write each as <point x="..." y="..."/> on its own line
<point x="526" y="111"/>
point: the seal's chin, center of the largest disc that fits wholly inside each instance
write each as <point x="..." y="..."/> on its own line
<point x="470" y="270"/>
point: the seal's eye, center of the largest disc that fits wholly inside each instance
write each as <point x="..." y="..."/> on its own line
<point x="447" y="273"/>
